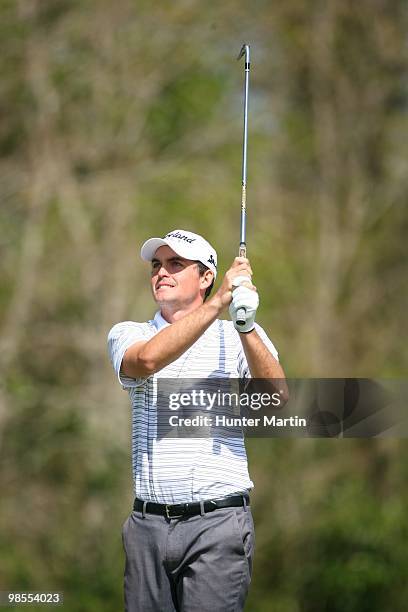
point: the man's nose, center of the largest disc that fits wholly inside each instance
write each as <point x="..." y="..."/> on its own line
<point x="162" y="271"/>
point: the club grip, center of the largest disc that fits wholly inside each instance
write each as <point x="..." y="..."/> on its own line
<point x="241" y="316"/>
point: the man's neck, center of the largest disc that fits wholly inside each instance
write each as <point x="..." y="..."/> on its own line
<point x="172" y="313"/>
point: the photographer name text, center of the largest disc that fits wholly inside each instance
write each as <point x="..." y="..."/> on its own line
<point x="243" y="421"/>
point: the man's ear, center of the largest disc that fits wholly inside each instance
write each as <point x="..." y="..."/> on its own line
<point x="207" y="278"/>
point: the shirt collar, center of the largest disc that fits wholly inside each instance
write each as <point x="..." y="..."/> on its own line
<point x="159" y="321"/>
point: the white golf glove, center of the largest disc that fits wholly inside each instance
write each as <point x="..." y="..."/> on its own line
<point x="243" y="297"/>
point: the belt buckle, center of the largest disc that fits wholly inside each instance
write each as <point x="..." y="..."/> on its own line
<point x="170" y="516"/>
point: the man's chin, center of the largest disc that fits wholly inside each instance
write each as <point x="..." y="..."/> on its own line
<point x="165" y="296"/>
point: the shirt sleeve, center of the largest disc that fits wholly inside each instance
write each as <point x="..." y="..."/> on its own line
<point x="242" y="362"/>
<point x="120" y="338"/>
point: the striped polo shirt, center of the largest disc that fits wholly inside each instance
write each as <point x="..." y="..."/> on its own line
<point x="176" y="470"/>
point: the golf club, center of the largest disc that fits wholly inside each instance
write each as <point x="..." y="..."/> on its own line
<point x="241" y="314"/>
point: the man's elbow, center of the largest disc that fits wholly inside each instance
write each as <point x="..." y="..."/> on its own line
<point x="284" y="395"/>
<point x="138" y="367"/>
<point x="281" y="389"/>
<point x="282" y="386"/>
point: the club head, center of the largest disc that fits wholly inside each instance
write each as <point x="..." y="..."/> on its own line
<point x="244" y="51"/>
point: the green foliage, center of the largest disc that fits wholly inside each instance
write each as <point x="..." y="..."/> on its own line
<point x="185" y="103"/>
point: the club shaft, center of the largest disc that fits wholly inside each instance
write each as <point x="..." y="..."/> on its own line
<point x="244" y="151"/>
<point x="241" y="313"/>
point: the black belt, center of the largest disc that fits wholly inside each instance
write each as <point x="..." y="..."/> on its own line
<point x="190" y="508"/>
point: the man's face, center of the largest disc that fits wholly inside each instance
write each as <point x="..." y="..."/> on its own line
<point x="175" y="280"/>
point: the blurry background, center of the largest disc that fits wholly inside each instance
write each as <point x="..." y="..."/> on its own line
<point x="122" y="120"/>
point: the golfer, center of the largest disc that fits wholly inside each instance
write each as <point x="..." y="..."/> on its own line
<point x="189" y="540"/>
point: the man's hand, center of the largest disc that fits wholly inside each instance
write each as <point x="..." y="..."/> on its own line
<point x="240" y="268"/>
<point x="238" y="291"/>
<point x="248" y="299"/>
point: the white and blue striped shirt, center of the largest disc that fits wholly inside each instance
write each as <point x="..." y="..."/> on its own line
<point x="176" y="470"/>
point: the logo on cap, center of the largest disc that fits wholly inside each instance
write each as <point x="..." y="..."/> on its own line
<point x="180" y="237"/>
<point x="212" y="261"/>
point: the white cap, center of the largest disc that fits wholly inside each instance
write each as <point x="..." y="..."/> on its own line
<point x="184" y="243"/>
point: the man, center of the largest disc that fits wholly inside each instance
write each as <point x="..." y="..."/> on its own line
<point x="189" y="540"/>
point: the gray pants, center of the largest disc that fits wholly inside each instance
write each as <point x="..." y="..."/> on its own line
<point x="193" y="564"/>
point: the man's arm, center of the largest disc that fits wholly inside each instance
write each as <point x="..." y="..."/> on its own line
<point x="261" y="362"/>
<point x="145" y="358"/>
